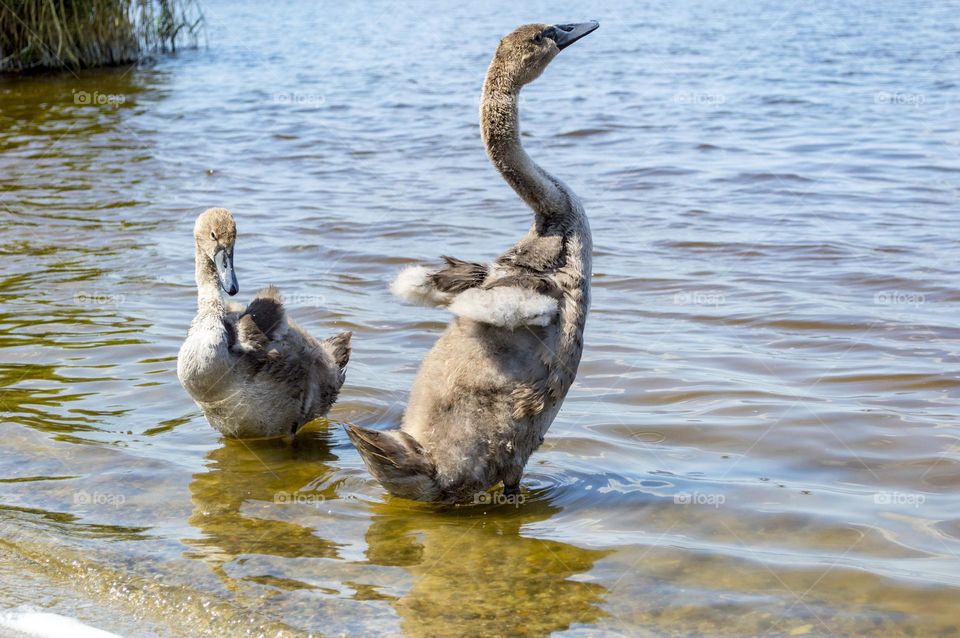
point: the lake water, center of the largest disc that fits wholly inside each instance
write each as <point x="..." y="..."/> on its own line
<point x="764" y="436"/>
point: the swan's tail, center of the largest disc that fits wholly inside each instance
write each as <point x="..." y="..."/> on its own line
<point x="398" y="462"/>
<point x="339" y="348"/>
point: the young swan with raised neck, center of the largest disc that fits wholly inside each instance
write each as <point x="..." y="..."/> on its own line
<point x="252" y="371"/>
<point x="489" y="389"/>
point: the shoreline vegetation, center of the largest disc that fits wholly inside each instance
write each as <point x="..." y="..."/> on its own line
<point x="38" y="35"/>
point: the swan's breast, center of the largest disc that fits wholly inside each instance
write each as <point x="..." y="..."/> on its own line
<point x="204" y="361"/>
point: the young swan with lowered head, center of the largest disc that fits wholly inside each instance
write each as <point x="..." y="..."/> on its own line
<point x="252" y="370"/>
<point x="489" y="389"/>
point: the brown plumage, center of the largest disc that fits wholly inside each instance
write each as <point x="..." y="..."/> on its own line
<point x="458" y="275"/>
<point x="266" y="312"/>
<point x="252" y="370"/>
<point x="489" y="389"/>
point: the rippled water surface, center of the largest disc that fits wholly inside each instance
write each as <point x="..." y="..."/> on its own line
<point x="763" y="436"/>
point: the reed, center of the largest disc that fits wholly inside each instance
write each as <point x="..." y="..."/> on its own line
<point x="73" y="34"/>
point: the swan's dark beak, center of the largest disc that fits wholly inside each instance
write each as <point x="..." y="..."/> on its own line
<point x="223" y="260"/>
<point x="566" y="34"/>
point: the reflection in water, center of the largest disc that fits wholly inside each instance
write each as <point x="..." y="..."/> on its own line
<point x="774" y="321"/>
<point x="71" y="317"/>
<point x="476" y="575"/>
<point x="68" y="525"/>
<point x="239" y="501"/>
<point x="259" y="500"/>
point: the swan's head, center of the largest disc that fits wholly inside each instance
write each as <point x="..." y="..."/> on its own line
<point x="525" y="52"/>
<point x="215" y="233"/>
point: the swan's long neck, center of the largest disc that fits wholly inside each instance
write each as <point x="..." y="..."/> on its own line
<point x="500" y="129"/>
<point x="209" y="299"/>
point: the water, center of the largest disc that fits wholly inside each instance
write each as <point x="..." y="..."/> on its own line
<point x="762" y="439"/>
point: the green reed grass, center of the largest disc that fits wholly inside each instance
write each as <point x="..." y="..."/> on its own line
<point x="58" y="34"/>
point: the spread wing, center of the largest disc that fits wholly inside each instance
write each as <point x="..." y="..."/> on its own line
<point x="459" y="275"/>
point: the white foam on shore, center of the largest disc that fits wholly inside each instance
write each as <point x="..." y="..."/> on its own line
<point x="41" y="624"/>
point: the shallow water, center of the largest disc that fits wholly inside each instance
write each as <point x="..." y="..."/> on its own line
<point x="762" y="439"/>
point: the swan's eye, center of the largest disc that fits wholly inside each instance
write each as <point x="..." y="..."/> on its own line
<point x="538" y="38"/>
<point x="213" y="235"/>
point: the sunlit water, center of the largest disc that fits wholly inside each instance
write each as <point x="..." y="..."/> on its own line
<point x="762" y="439"/>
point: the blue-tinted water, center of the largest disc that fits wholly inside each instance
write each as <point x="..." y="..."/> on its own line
<point x="762" y="439"/>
